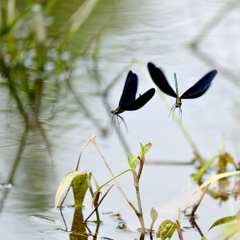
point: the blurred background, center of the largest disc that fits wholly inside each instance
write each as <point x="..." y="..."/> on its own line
<point x="63" y="66"/>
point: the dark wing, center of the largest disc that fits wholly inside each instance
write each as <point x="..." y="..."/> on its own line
<point x="160" y="80"/>
<point x="200" y="87"/>
<point x="141" y="101"/>
<point x="129" y="90"/>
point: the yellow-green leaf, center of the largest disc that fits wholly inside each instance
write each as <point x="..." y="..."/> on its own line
<point x="221" y="221"/>
<point x="198" y="175"/>
<point x="130" y="161"/>
<point x="65" y="182"/>
<point x="103" y="185"/>
<point x="166" y="230"/>
<point x="145" y="148"/>
<point x="215" y="178"/>
<point x="134" y="161"/>
<point x="154" y="214"/>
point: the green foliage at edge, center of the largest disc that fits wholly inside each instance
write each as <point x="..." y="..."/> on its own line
<point x="204" y="168"/>
<point x="145" y="148"/>
<point x="221" y="221"/>
<point x="166" y="230"/>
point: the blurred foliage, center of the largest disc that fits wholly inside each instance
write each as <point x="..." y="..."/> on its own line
<point x="36" y="60"/>
<point x="61" y="11"/>
<point x="37" y="63"/>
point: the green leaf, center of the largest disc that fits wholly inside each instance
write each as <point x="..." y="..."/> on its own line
<point x="103" y="185"/>
<point x="65" y="182"/>
<point x="145" y="148"/>
<point x="130" y="161"/>
<point x="204" y="168"/>
<point x="221" y="221"/>
<point x="229" y="230"/>
<point x="215" y="178"/>
<point x="134" y="161"/>
<point x="79" y="186"/>
<point x="154" y="214"/>
<point x="166" y="230"/>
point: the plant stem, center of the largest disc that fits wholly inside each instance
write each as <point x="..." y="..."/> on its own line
<point x="141" y="160"/>
<point x="109" y="169"/>
<point x="140" y="212"/>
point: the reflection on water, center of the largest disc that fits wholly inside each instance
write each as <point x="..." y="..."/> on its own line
<point x="52" y="103"/>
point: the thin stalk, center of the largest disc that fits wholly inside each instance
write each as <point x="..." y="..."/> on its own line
<point x="179" y="230"/>
<point x="96" y="231"/>
<point x="195" y="226"/>
<point x="196" y="205"/>
<point x="142" y="161"/>
<point x="109" y="169"/>
<point x="140" y="212"/>
<point x="92" y="194"/>
<point x="64" y="221"/>
<point x="97" y="205"/>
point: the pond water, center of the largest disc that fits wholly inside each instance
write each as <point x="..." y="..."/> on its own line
<point x="134" y="34"/>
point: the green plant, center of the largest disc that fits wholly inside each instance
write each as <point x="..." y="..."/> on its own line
<point x="80" y="182"/>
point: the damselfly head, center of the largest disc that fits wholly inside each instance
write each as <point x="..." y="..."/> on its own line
<point x="116" y="111"/>
<point x="178" y="103"/>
